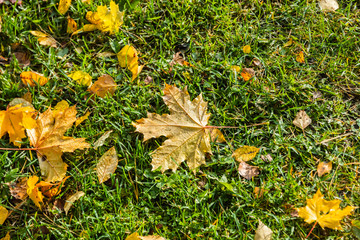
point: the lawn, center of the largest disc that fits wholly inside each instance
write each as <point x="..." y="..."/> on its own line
<point x="214" y="201"/>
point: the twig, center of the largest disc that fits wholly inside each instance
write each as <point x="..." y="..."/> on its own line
<point x="330" y="139"/>
<point x="311" y="230"/>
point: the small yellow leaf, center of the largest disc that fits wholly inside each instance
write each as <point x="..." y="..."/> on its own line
<point x="33" y="78"/>
<point x="289" y="43"/>
<point x="71" y="25"/>
<point x="33" y="191"/>
<point x="135" y="70"/>
<point x="60" y="107"/>
<point x="127" y="56"/>
<point x="135" y="236"/>
<point x="107" y="165"/>
<point x="86" y="28"/>
<point x="64" y="6"/>
<point x="216" y="135"/>
<point x="38" y="34"/>
<point x="105" y="85"/>
<point x="300" y="57"/>
<point x="70" y="200"/>
<point x="246" y="49"/>
<point x="81" y="78"/>
<point x="7" y="237"/>
<point x="81" y="119"/>
<point x="3" y="214"/>
<point x="326" y="213"/>
<point x="51" y="189"/>
<point x="323" y="168"/>
<point x="15" y="120"/>
<point x="245" y="153"/>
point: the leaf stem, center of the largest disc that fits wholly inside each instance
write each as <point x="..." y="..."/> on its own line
<point x="252" y="125"/>
<point x="311" y="230"/>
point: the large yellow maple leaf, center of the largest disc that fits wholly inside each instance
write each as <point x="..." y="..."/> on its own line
<point x="185" y="127"/>
<point x="49" y="140"/>
<point x="326" y="213"/>
<point x="104" y="19"/>
<point x="15" y="120"/>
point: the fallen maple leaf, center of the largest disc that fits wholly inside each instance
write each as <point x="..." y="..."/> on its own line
<point x="51" y="189"/>
<point x="302" y="120"/>
<point x="324" y="167"/>
<point x="16" y="119"/>
<point x="44" y="39"/>
<point x="3" y="214"/>
<point x="245" y="153"/>
<point x="263" y="232"/>
<point x="47" y="137"/>
<point x="81" y="78"/>
<point x="105" y="85"/>
<point x="70" y="200"/>
<point x="33" y="78"/>
<point x="107" y="165"/>
<point x="71" y="25"/>
<point x="33" y="191"/>
<point x="326" y="213"/>
<point x="64" y="6"/>
<point x="103" y="19"/>
<point x="185" y="127"/>
<point x="328" y="5"/>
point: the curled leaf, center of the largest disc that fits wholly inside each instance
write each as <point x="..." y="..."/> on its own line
<point x="70" y="200"/>
<point x="300" y="57"/>
<point x="246" y="49"/>
<point x="71" y="25"/>
<point x="247" y="171"/>
<point x="247" y="73"/>
<point x="18" y="189"/>
<point x="44" y="39"/>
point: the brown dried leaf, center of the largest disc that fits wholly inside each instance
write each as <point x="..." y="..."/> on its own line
<point x="107" y="165"/>
<point x="23" y="58"/>
<point x="266" y="158"/>
<point x="324" y="167"/>
<point x="247" y="171"/>
<point x="105" y="85"/>
<point x="18" y="189"/>
<point x="258" y="192"/>
<point x="302" y="120"/>
<point x="70" y="200"/>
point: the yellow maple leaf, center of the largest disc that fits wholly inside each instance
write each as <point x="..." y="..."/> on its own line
<point x="33" y="78"/>
<point x="49" y="140"/>
<point x="136" y="236"/>
<point x="326" y="213"/>
<point x="104" y="19"/>
<point x="81" y="78"/>
<point x="64" y="6"/>
<point x="15" y="120"/>
<point x="185" y="127"/>
<point x="33" y="191"/>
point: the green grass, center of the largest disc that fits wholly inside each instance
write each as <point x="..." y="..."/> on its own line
<point x="214" y="203"/>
